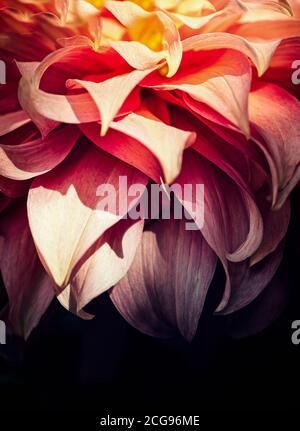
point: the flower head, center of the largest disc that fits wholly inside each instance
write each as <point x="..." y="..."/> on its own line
<point x="190" y="92"/>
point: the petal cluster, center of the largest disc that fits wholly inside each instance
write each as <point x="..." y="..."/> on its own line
<point x="160" y="92"/>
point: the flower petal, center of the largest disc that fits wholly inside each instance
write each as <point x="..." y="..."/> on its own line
<point x="109" y="260"/>
<point x="30" y="159"/>
<point x="275" y="120"/>
<point x="30" y="290"/>
<point x="110" y="95"/>
<point x="232" y="222"/>
<point x="65" y="211"/>
<point x="222" y="83"/>
<point x="259" y="52"/>
<point x="167" y="143"/>
<point x="125" y="148"/>
<point x="165" y="289"/>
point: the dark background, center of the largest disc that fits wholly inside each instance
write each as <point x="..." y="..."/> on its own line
<point x="104" y="366"/>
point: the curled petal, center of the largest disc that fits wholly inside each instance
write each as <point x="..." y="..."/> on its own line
<point x="223" y="84"/>
<point x="125" y="148"/>
<point x="247" y="282"/>
<point x="260" y="53"/>
<point x="12" y="121"/>
<point x="110" y="95"/>
<point x="167" y="143"/>
<point x="275" y="120"/>
<point x="30" y="159"/>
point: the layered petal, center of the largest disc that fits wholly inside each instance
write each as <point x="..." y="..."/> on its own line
<point x="30" y="159"/>
<point x="222" y="83"/>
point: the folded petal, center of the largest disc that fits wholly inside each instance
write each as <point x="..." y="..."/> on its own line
<point x="260" y="53"/>
<point x="263" y="311"/>
<point x="222" y="83"/>
<point x="247" y="282"/>
<point x="275" y="121"/>
<point x="164" y="291"/>
<point x="125" y="148"/>
<point x="107" y="261"/>
<point x="167" y="143"/>
<point x="12" y="121"/>
<point x="70" y="207"/>
<point x="233" y="224"/>
<point x="110" y="95"/>
<point x="47" y="109"/>
<point x="29" y="288"/>
<point x="30" y="159"/>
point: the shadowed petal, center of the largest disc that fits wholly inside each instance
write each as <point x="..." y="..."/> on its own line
<point x="232" y="222"/>
<point x="108" y="261"/>
<point x="165" y="288"/>
<point x="223" y="83"/>
<point x="68" y="212"/>
<point x="29" y="288"/>
<point x="275" y="120"/>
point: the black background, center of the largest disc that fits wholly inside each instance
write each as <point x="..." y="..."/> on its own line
<point x="86" y="370"/>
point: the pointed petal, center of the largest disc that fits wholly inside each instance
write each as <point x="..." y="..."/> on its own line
<point x="109" y="260"/>
<point x="167" y="143"/>
<point x="110" y="95"/>
<point x="165" y="289"/>
<point x="247" y="282"/>
<point x="73" y="191"/>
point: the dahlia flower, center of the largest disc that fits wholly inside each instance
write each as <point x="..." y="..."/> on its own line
<point x="166" y="92"/>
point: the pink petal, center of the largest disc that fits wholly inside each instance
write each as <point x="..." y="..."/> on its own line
<point x="276" y="223"/>
<point x="12" y="121"/>
<point x="223" y="84"/>
<point x="29" y="288"/>
<point x="166" y="143"/>
<point x="126" y="149"/>
<point x="165" y="289"/>
<point x="259" y="52"/>
<point x="110" y="95"/>
<point x="70" y="191"/>
<point x="30" y="159"/>
<point x="247" y="282"/>
<point x="109" y="260"/>
<point x="275" y="120"/>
